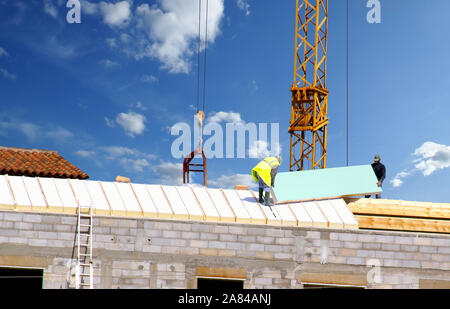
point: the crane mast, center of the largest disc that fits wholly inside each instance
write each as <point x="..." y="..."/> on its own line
<point x="309" y="120"/>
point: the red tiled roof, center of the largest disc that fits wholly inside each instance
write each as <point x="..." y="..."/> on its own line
<point x="37" y="163"/>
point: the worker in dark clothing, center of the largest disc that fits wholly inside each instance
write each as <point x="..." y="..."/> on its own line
<point x="380" y="172"/>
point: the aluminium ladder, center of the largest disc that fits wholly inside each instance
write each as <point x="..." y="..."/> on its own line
<point x="84" y="267"/>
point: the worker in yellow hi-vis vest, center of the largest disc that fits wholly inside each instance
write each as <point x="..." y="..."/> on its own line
<point x="264" y="174"/>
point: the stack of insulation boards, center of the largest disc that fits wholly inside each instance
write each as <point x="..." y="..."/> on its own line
<point x="382" y="214"/>
<point x="52" y="195"/>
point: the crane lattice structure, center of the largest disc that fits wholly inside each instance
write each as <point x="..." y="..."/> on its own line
<point x="309" y="120"/>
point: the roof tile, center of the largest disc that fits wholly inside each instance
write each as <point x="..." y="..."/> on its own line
<point x="33" y="162"/>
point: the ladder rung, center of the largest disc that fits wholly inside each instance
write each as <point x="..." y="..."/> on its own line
<point x="85" y="217"/>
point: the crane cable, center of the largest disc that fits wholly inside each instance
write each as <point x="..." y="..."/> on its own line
<point x="200" y="115"/>
<point x="347" y="81"/>
<point x="199" y="53"/>
<point x="206" y="48"/>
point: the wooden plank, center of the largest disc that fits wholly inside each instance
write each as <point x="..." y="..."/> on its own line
<point x="345" y="214"/>
<point x="179" y="210"/>
<point x="304" y="220"/>
<point x="51" y="195"/>
<point x="400" y="208"/>
<point x="66" y="194"/>
<point x="434" y="284"/>
<point x="314" y="212"/>
<point x="97" y="195"/>
<point x="252" y="206"/>
<point x="160" y="201"/>
<point x="234" y="201"/>
<point x="325" y="183"/>
<point x="81" y="192"/>
<point x="6" y="197"/>
<point x="286" y="215"/>
<point x="114" y="200"/>
<point x="145" y="201"/>
<point x="334" y="221"/>
<point x="403" y="224"/>
<point x="191" y="203"/>
<point x="211" y="213"/>
<point x="226" y="213"/>
<point x="273" y="217"/>
<point x="20" y="193"/>
<point x="38" y="203"/>
<point x="129" y="199"/>
<point x="221" y="272"/>
<point x="334" y="279"/>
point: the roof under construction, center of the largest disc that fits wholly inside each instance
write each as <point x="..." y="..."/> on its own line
<point x="198" y="203"/>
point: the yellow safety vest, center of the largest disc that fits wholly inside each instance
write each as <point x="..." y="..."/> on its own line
<point x="264" y="169"/>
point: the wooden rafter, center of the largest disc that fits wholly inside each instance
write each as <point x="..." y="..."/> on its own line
<point x="401" y="215"/>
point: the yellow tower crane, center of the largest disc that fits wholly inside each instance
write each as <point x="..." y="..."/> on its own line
<point x="309" y="120"/>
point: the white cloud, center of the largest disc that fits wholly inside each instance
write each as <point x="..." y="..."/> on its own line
<point x="108" y="63"/>
<point x="120" y="151"/>
<point x="89" y="8"/>
<point x="114" y="14"/>
<point x="3" y="52"/>
<point x="29" y="129"/>
<point x="259" y="149"/>
<point x="140" y="106"/>
<point x="229" y="182"/>
<point x="136" y="164"/>
<point x="397" y="181"/>
<point x="50" y="8"/>
<point x="132" y="123"/>
<point x="85" y="153"/>
<point x="115" y="152"/>
<point x="166" y="31"/>
<point x="150" y="79"/>
<point x="130" y="159"/>
<point x="170" y="173"/>
<point x="53" y="47"/>
<point x="7" y="75"/>
<point x="117" y="14"/>
<point x="243" y="6"/>
<point x="111" y="42"/>
<point x="110" y="122"/>
<point x="433" y="157"/>
<point x="59" y="133"/>
<point x="255" y="86"/>
<point x="33" y="131"/>
<point x="430" y="158"/>
<point x="226" y="117"/>
<point x="171" y="30"/>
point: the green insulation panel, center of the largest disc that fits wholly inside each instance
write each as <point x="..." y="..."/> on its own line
<point x="325" y="183"/>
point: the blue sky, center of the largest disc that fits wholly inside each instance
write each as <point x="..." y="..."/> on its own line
<point x="105" y="93"/>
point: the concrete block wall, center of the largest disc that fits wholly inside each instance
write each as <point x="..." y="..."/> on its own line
<point x="148" y="253"/>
